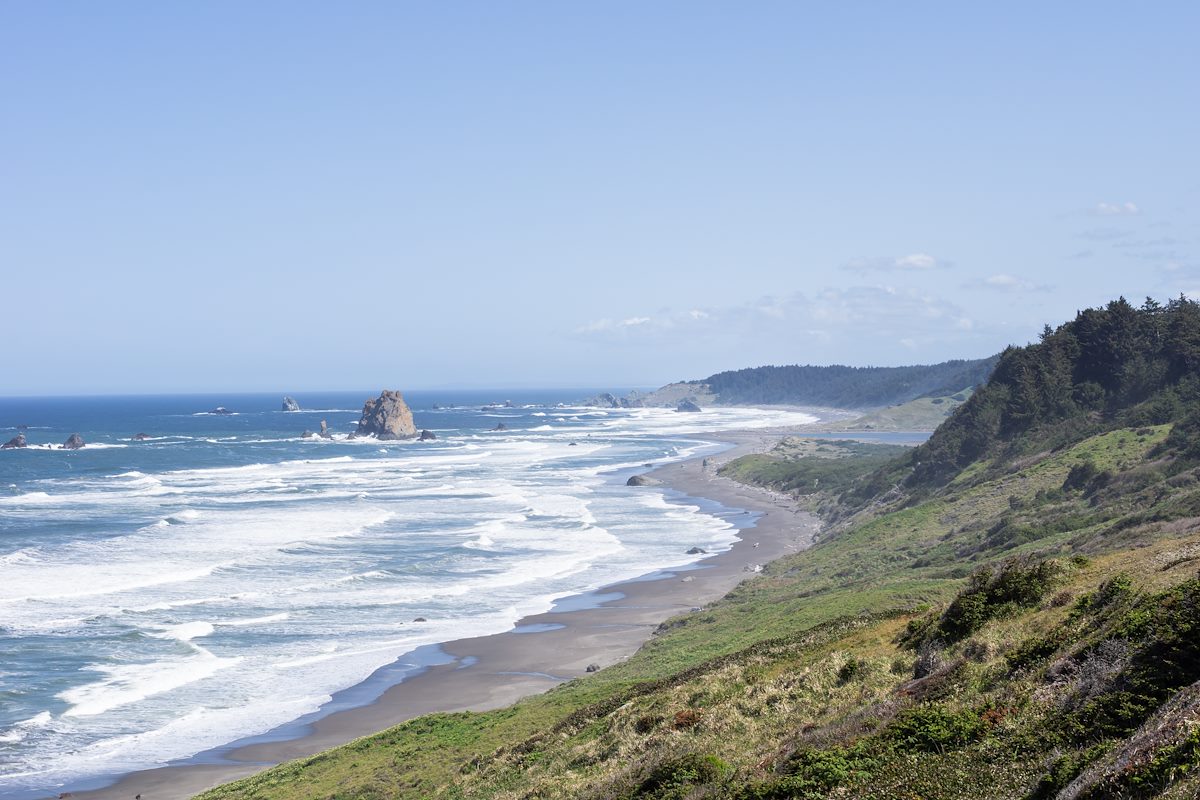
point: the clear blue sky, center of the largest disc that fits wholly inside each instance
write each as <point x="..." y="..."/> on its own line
<point x="283" y="196"/>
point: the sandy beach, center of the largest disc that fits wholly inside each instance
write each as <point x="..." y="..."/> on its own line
<point x="544" y="649"/>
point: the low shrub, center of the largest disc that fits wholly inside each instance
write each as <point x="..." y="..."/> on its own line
<point x="932" y="728"/>
<point x="994" y="592"/>
<point x="675" y="777"/>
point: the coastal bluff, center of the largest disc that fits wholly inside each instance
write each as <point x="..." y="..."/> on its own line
<point x="387" y="417"/>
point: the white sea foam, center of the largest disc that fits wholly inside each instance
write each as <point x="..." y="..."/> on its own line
<point x="128" y="684"/>
<point x="188" y="631"/>
<point x="240" y="623"/>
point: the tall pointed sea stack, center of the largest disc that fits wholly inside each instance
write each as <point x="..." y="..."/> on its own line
<point x="387" y="417"/>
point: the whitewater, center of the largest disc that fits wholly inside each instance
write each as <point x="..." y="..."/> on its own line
<point x="225" y="575"/>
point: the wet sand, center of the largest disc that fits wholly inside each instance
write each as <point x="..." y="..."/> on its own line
<point x="544" y="650"/>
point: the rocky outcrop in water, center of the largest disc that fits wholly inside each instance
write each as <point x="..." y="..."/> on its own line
<point x="500" y="426"/>
<point x="16" y="441"/>
<point x="222" y="410"/>
<point x="325" y="434"/>
<point x="141" y="437"/>
<point x="387" y="417"/>
<point x="666" y="397"/>
<point x="73" y="442"/>
<point x="427" y="436"/>
<point x="689" y="406"/>
<point x="290" y="405"/>
<point x="642" y="480"/>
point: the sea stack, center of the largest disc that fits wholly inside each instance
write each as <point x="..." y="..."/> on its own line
<point x="290" y="405"/>
<point x="73" y="442"/>
<point x="688" y="406"/>
<point x="387" y="417"/>
<point x="16" y="441"/>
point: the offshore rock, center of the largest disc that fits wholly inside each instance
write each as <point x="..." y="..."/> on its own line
<point x="642" y="480"/>
<point x="73" y="442"/>
<point x="290" y="405"/>
<point x="427" y="435"/>
<point x="387" y="417"/>
<point x="141" y="437"/>
<point x="500" y="426"/>
<point x="605" y="400"/>
<point x="222" y="410"/>
<point x="16" y="441"/>
<point x="688" y="405"/>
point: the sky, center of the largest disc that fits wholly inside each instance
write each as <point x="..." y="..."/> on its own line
<point x="289" y="196"/>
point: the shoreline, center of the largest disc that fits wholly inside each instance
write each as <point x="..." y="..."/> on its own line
<point x="600" y="628"/>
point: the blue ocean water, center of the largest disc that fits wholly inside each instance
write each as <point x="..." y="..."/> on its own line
<point x="225" y="575"/>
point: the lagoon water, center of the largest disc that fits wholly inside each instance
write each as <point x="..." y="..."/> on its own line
<point x="225" y="576"/>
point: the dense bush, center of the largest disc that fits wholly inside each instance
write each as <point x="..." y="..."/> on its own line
<point x="932" y="728"/>
<point x="1161" y="634"/>
<point x="815" y="773"/>
<point x="674" y="778"/>
<point x="993" y="592"/>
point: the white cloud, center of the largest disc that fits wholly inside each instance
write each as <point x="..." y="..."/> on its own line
<point x="607" y="324"/>
<point x="913" y="262"/>
<point x="916" y="261"/>
<point x="1005" y="282"/>
<point x="1126" y="209"/>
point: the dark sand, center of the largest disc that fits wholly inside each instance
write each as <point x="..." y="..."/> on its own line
<point x="494" y="671"/>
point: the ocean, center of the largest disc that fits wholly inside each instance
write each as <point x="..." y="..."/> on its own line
<point x="225" y="576"/>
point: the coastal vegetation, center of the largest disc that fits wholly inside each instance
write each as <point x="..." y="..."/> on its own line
<point x="1011" y="610"/>
<point x="941" y="386"/>
<point x="840" y="386"/>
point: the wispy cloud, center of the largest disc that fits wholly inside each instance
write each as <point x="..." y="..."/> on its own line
<point x="884" y="315"/>
<point x="1005" y="282"/>
<point x="1125" y="209"/>
<point x="913" y="262"/>
<point x="600" y="325"/>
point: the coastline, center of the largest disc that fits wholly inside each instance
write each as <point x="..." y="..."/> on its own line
<point x="542" y="650"/>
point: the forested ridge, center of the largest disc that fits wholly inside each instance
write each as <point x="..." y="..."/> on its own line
<point x="1110" y="367"/>
<point x="841" y="386"/>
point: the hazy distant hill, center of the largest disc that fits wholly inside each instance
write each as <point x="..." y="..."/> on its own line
<point x="835" y="386"/>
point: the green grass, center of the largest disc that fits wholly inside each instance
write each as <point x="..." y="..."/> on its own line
<point x="922" y="414"/>
<point x="802" y="466"/>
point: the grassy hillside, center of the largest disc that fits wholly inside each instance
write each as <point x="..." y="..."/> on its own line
<point x="922" y="414"/>
<point x="1023" y="624"/>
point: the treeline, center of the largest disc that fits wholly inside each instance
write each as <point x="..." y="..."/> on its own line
<point x="848" y="387"/>
<point x="1117" y="366"/>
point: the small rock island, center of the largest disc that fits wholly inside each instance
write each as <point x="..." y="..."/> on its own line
<point x="387" y="417"/>
<point x="289" y="404"/>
